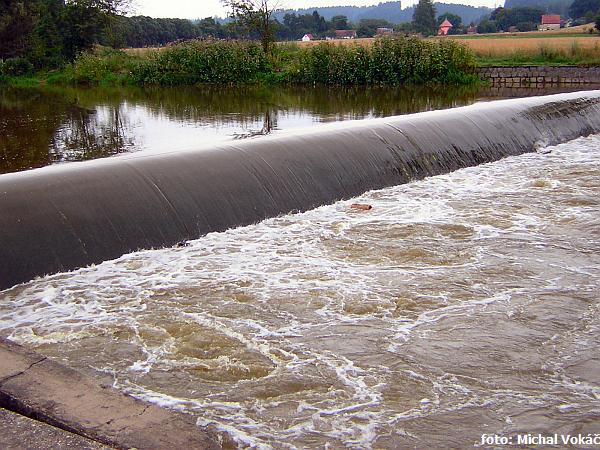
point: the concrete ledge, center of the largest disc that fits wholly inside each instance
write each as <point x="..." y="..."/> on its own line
<point x="47" y="391"/>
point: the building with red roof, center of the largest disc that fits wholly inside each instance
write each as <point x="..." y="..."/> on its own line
<point x="549" y="22"/>
<point x="345" y="34"/>
<point x="444" y="27"/>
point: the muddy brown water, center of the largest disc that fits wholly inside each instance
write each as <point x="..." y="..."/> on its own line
<point x="458" y="305"/>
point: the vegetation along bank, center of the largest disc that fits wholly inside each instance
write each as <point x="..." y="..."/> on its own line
<point x="75" y="43"/>
<point x="386" y="61"/>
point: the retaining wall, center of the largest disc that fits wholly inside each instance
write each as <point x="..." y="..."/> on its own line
<point x="540" y="76"/>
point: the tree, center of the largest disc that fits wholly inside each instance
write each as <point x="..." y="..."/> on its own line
<point x="505" y="18"/>
<point x="83" y="25"/>
<point x="424" y="18"/>
<point x="47" y="46"/>
<point x="486" y="26"/>
<point x="368" y="27"/>
<point x="256" y="15"/>
<point x="579" y="8"/>
<point x="17" y="21"/>
<point x="548" y="6"/>
<point x="339" y="22"/>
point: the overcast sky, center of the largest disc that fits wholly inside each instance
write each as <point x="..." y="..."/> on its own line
<point x="193" y="9"/>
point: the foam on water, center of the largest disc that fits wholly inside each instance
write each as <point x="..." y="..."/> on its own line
<point x="460" y="304"/>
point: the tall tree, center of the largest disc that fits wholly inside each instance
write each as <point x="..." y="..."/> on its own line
<point x="339" y="22"/>
<point x="424" y="18"/>
<point x="47" y="48"/>
<point x="256" y="15"/>
<point x="18" y="19"/>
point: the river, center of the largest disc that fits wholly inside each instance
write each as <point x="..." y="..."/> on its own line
<point x="53" y="125"/>
<point x="459" y="305"/>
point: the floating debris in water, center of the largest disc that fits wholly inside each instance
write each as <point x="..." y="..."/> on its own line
<point x="361" y="206"/>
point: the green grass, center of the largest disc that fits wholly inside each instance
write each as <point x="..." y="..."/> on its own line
<point x="23" y="81"/>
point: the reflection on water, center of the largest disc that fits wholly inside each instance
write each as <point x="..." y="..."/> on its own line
<point x="459" y="305"/>
<point x="39" y="127"/>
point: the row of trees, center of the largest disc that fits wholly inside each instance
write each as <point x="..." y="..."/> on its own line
<point x="526" y="18"/>
<point x="48" y="32"/>
<point x="426" y="23"/>
<point x="523" y="18"/>
<point x="141" y="31"/>
<point x="584" y="9"/>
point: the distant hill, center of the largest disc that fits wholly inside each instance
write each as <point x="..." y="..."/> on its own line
<point x="550" y="6"/>
<point x="390" y="11"/>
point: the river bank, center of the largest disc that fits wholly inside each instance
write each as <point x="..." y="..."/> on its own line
<point x="383" y="62"/>
<point x="389" y="61"/>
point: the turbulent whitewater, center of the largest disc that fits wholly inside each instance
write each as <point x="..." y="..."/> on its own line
<point x="461" y="304"/>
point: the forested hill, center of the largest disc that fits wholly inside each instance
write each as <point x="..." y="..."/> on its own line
<point x="391" y="12"/>
<point x="551" y="6"/>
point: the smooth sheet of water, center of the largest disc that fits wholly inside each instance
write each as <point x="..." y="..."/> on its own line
<point x="39" y="127"/>
<point x="459" y="305"/>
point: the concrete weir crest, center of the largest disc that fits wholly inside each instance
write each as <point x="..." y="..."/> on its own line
<point x="64" y="217"/>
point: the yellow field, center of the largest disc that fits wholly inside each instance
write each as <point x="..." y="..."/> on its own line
<point x="500" y="45"/>
<point x="567" y="41"/>
<point x="493" y="47"/>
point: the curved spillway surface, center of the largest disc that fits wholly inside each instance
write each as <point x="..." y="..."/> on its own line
<point x="64" y="217"/>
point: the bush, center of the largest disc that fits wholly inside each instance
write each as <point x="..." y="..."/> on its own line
<point x="101" y="66"/>
<point x="390" y="60"/>
<point x="202" y="62"/>
<point x="16" y="67"/>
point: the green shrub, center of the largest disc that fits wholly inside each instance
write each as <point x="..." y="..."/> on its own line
<point x="202" y="62"/>
<point x="16" y="67"/>
<point x="390" y="60"/>
<point x="101" y="66"/>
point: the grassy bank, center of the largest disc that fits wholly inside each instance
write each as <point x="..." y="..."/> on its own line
<point x="387" y="61"/>
<point x="521" y="49"/>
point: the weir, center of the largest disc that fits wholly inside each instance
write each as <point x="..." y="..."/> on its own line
<point x="68" y="216"/>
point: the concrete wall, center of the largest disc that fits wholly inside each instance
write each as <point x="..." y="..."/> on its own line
<point x="539" y="76"/>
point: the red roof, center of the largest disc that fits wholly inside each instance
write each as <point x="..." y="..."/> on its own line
<point x="550" y="19"/>
<point x="345" y="33"/>
<point x="446" y="24"/>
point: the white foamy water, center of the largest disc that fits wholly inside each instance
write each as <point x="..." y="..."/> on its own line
<point x="459" y="305"/>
